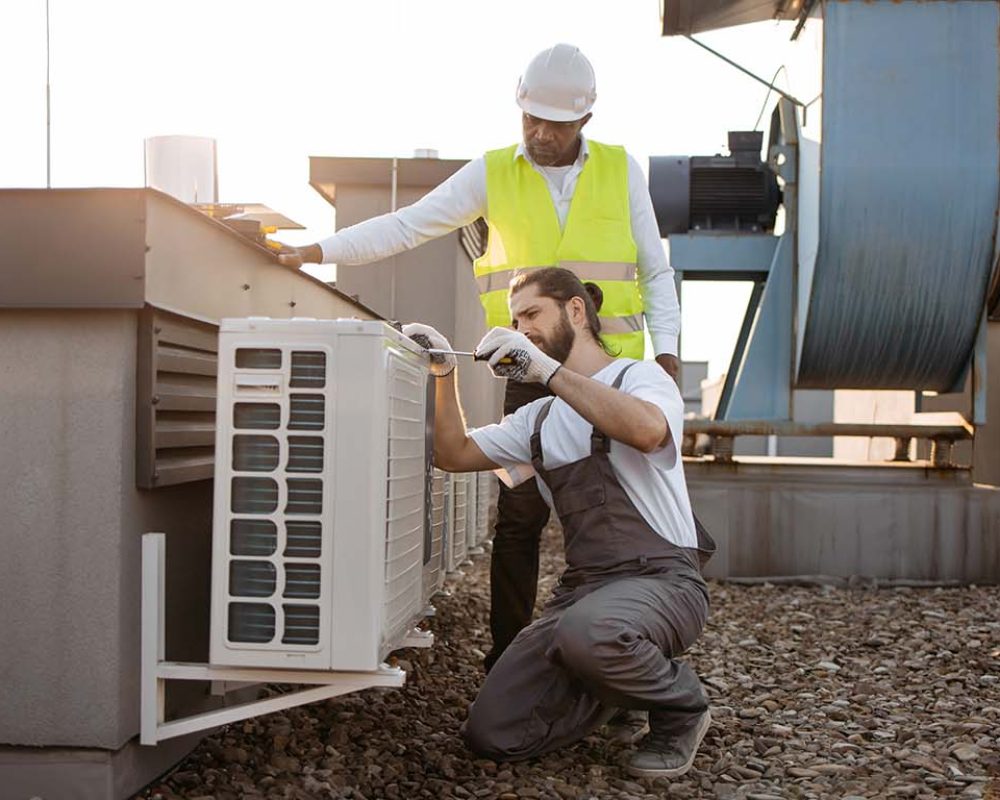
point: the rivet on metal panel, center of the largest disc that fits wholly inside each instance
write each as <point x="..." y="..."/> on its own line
<point x="722" y="448"/>
<point x="155" y="399"/>
<point x="902" y="448"/>
<point x="941" y="453"/>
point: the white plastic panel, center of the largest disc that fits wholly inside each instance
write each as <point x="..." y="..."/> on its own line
<point x="484" y="480"/>
<point x="405" y="500"/>
<point x="459" y="545"/>
<point x="434" y="565"/>
<point x="318" y="540"/>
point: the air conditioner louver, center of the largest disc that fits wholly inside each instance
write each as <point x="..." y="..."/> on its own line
<point x="458" y="550"/>
<point x="483" y="497"/>
<point x="434" y="567"/>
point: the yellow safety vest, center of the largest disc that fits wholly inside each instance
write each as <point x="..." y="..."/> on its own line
<point x="596" y="244"/>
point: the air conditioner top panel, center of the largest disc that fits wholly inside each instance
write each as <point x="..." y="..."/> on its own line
<point x="332" y="327"/>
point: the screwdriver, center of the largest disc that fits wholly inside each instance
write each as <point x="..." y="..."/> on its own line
<point x="435" y="352"/>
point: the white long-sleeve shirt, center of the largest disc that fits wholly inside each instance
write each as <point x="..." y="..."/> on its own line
<point x="461" y="200"/>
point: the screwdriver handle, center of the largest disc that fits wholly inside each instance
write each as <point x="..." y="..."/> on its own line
<point x="505" y="360"/>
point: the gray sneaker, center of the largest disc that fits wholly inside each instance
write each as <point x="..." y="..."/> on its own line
<point x="627" y="726"/>
<point x="667" y="752"/>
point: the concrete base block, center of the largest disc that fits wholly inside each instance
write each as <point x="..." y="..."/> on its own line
<point x="55" y="773"/>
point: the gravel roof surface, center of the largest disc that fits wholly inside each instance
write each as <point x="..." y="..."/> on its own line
<point x="816" y="693"/>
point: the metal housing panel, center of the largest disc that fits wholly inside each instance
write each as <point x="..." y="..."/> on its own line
<point x="175" y="399"/>
<point x="908" y="196"/>
<point x="762" y="386"/>
<point x="670" y="190"/>
<point x="693" y="16"/>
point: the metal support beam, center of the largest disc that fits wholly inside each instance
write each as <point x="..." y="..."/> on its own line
<point x="155" y="671"/>
<point x="722" y="256"/>
<point x="762" y="387"/>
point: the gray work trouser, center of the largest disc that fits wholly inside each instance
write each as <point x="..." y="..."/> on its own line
<point x="593" y="650"/>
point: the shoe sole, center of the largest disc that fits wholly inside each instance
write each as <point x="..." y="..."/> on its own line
<point x="638" y="772"/>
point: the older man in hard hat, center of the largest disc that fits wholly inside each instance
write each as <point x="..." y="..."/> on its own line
<point x="554" y="199"/>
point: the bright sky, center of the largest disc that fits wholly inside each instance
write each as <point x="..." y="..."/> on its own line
<point x="277" y="81"/>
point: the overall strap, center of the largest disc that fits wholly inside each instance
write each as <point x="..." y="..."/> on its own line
<point x="599" y="441"/>
<point x="536" y="437"/>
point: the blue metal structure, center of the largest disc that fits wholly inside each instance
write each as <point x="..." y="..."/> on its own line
<point x="879" y="280"/>
<point x="909" y="190"/>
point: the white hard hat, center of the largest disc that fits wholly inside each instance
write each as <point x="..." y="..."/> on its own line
<point x="558" y="85"/>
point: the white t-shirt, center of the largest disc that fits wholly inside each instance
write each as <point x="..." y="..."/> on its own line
<point x="654" y="481"/>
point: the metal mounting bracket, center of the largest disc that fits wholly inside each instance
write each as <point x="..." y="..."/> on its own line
<point x="155" y="672"/>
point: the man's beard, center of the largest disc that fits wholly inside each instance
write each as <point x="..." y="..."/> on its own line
<point x="559" y="343"/>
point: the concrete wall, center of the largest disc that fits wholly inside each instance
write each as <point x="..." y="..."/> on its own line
<point x="895" y="521"/>
<point x="70" y="532"/>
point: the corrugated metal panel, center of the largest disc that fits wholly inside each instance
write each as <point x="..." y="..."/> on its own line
<point x="908" y="198"/>
<point x="175" y="397"/>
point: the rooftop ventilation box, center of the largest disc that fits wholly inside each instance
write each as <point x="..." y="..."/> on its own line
<point x="322" y="528"/>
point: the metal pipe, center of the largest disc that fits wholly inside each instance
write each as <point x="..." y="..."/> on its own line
<point x="392" y="269"/>
<point x="48" y="106"/>
<point x="745" y="71"/>
<point x="944" y="433"/>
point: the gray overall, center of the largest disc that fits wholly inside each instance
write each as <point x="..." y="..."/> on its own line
<point x="628" y="603"/>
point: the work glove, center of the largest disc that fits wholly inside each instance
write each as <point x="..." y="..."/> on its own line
<point x="523" y="361"/>
<point x="430" y="339"/>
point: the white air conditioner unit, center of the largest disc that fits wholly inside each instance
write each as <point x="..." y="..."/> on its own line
<point x="484" y="481"/>
<point x="434" y="555"/>
<point x="322" y="473"/>
<point x="458" y="507"/>
<point x="471" y="515"/>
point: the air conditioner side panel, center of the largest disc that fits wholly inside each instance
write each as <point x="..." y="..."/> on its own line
<point x="359" y="503"/>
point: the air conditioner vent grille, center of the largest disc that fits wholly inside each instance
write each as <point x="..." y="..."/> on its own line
<point x="258" y="358"/>
<point x="252" y="578"/>
<point x="308" y="370"/>
<point x="251" y="623"/>
<point x="257" y="416"/>
<point x="253" y="537"/>
<point x="301" y="625"/>
<point x="302" y="581"/>
<point x="308" y="412"/>
<point x="305" y="454"/>
<point x="254" y="495"/>
<point x="255" y="453"/>
<point x="303" y="539"/>
<point x="305" y="496"/>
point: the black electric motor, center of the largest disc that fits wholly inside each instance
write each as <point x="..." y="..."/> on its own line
<point x="738" y="192"/>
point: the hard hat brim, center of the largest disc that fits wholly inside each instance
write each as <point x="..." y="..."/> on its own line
<point x="550" y="113"/>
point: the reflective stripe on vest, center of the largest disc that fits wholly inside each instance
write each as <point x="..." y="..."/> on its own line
<point x="596" y="244"/>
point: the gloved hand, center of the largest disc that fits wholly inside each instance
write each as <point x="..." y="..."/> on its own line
<point x="430" y="339"/>
<point x="528" y="363"/>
